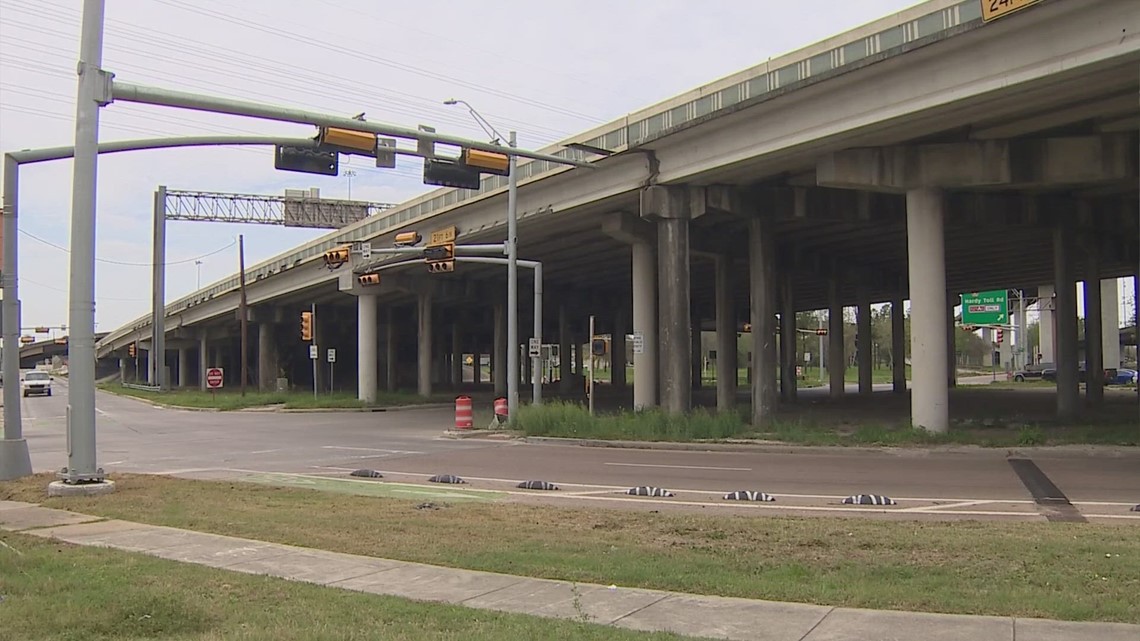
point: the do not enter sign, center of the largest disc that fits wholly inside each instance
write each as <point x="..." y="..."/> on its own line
<point x="214" y="378"/>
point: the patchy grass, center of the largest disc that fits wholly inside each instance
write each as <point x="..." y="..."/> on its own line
<point x="233" y="400"/>
<point x="1053" y="570"/>
<point x="59" y="592"/>
<point x="570" y="420"/>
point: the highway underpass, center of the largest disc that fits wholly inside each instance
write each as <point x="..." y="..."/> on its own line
<point x="915" y="158"/>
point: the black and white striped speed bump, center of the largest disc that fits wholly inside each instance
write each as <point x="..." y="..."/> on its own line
<point x="646" y="490"/>
<point x="446" y="478"/>
<point x="748" y="495"/>
<point x="537" y="485"/>
<point x="869" y="499"/>
<point x="368" y="474"/>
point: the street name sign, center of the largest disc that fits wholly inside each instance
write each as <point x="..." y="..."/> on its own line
<point x="985" y="308"/>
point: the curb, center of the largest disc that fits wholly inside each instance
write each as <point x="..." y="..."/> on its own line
<point x="278" y="408"/>
<point x="490" y="435"/>
<point x="393" y="408"/>
<point x="778" y="447"/>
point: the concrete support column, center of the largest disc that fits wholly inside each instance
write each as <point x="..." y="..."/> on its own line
<point x="1047" y="315"/>
<point x="183" y="366"/>
<point x="836" y="360"/>
<point x="266" y="357"/>
<point x="424" y="355"/>
<point x="1110" y="322"/>
<point x="1068" y="383"/>
<point x="926" y="260"/>
<point x="565" y="357"/>
<point x="499" y="360"/>
<point x="788" y="334"/>
<point x="645" y="324"/>
<point x="898" y="346"/>
<point x="726" y="366"/>
<point x="122" y="370"/>
<point x="203" y="360"/>
<point x="762" y="290"/>
<point x="390" y="357"/>
<point x="1094" y="343"/>
<point x="674" y="321"/>
<point x="864" y="351"/>
<point x="367" y="348"/>
<point x="579" y="356"/>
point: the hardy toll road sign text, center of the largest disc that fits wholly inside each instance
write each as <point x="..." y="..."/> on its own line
<point x="985" y="308"/>
<point x="993" y="9"/>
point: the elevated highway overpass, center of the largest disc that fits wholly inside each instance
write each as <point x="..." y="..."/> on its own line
<point x="916" y="157"/>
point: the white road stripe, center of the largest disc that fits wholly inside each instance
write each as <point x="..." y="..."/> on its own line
<point x="368" y="449"/>
<point x="264" y="451"/>
<point x="948" y="506"/>
<point x="682" y="467"/>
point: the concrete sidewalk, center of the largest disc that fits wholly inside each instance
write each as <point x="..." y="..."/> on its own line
<point x="650" y="610"/>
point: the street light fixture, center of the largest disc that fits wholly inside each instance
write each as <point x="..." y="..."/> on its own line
<point x="512" y="271"/>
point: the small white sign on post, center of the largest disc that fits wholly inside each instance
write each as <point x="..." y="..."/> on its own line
<point x="313" y="353"/>
<point x="807" y="357"/>
<point x="366" y="250"/>
<point x="638" y="343"/>
<point x="534" y="347"/>
<point x="332" y="355"/>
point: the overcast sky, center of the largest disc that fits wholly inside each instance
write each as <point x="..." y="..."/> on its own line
<point x="548" y="71"/>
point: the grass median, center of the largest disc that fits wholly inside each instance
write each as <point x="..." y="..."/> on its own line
<point x="233" y="400"/>
<point x="1082" y="572"/>
<point x="571" y="420"/>
<point x="59" y="592"/>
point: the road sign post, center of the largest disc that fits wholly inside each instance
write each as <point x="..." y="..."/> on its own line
<point x="985" y="308"/>
<point x="215" y="379"/>
<point x="331" y="357"/>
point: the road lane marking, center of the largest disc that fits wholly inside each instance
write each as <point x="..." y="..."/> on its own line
<point x="265" y="451"/>
<point x="368" y="449"/>
<point x="948" y="506"/>
<point x="683" y="467"/>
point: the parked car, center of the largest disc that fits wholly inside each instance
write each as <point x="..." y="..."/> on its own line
<point x="36" y="383"/>
<point x="1125" y="376"/>
<point x="1051" y="374"/>
<point x="1033" y="372"/>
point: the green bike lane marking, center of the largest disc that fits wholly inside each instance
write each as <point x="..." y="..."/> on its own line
<point x="370" y="488"/>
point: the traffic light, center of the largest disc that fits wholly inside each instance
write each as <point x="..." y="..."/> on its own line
<point x="369" y="279"/>
<point x="407" y="239"/>
<point x="487" y="162"/>
<point x="334" y="258"/>
<point x="308" y="161"/>
<point x="821" y="331"/>
<point x="440" y="258"/>
<point x="449" y="173"/>
<point x="969" y="328"/>
<point x="348" y="141"/>
<point x="306" y="326"/>
<point x="747" y="328"/>
<point x="1000" y="336"/>
<point x="598" y="347"/>
<point x="132" y="351"/>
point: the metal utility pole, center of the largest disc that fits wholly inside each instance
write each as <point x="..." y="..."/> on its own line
<point x="512" y="286"/>
<point x="157" y="362"/>
<point x="243" y="309"/>
<point x="313" y="353"/>
<point x="593" y="362"/>
<point x="93" y="92"/>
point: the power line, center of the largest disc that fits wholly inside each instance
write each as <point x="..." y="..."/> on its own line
<point x="64" y="291"/>
<point x="117" y="262"/>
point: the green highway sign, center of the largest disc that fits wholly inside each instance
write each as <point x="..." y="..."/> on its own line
<point x="985" y="308"/>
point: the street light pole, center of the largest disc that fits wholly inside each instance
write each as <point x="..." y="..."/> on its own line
<point x="512" y="286"/>
<point x="94" y="91"/>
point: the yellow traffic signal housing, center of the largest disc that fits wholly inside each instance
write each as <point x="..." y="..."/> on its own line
<point x="407" y="239"/>
<point x="61" y="341"/>
<point x="349" y="140"/>
<point x="440" y="258"/>
<point x="369" y="279"/>
<point x="822" y="331"/>
<point x="487" y="162"/>
<point x="336" y="257"/>
<point x="132" y="351"/>
<point x="306" y="326"/>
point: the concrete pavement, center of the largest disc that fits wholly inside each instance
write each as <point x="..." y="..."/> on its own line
<point x="638" y="609"/>
<point x="407" y="448"/>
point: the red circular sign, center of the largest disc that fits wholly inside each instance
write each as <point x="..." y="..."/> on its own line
<point x="214" y="377"/>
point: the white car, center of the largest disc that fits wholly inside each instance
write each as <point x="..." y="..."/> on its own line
<point x="36" y="383"/>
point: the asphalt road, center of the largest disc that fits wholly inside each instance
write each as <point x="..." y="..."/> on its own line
<point x="408" y="446"/>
